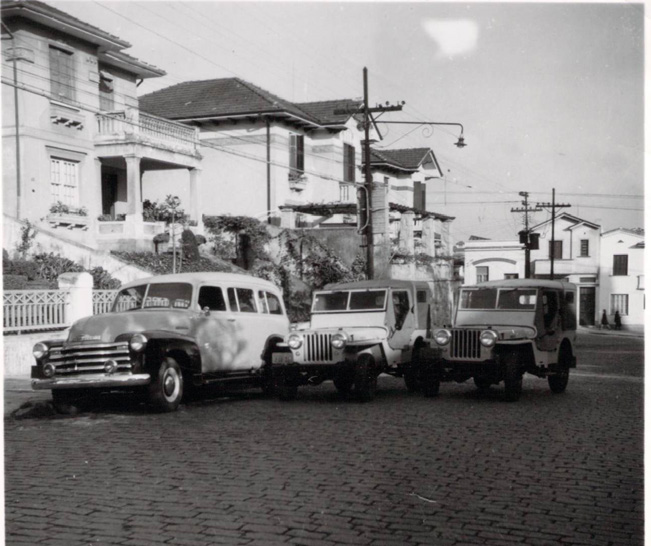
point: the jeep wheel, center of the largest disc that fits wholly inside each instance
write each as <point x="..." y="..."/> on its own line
<point x="166" y="388"/>
<point x="365" y="378"/>
<point x="428" y="365"/>
<point x="285" y="387"/>
<point x="558" y="381"/>
<point x="69" y="401"/>
<point x="512" y="377"/>
<point x="344" y="382"/>
<point x="412" y="380"/>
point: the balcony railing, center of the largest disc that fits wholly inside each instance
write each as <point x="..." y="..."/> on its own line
<point x="131" y="123"/>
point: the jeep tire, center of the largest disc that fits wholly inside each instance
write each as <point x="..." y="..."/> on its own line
<point x="285" y="386"/>
<point x="166" y="387"/>
<point x="483" y="384"/>
<point x="365" y="378"/>
<point x="344" y="382"/>
<point x="558" y="381"/>
<point x="512" y="377"/>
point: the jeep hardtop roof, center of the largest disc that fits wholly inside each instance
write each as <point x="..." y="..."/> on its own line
<point x="203" y="277"/>
<point x="524" y="283"/>
<point x="377" y="283"/>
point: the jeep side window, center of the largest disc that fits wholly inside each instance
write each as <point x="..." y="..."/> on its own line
<point x="212" y="297"/>
<point x="550" y="308"/>
<point x="400" y="307"/>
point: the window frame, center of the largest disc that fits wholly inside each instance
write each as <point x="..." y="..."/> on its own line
<point x="62" y="74"/>
<point x="349" y="163"/>
<point x="584" y="253"/>
<point x="614" y="307"/>
<point x="480" y="275"/>
<point x="296" y="155"/>
<point x="556" y="246"/>
<point x="70" y="197"/>
<point x="620" y="269"/>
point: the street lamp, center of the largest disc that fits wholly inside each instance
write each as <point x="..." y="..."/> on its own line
<point x="460" y="143"/>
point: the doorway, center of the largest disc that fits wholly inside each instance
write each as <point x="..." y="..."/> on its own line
<point x="109" y="193"/>
<point x="587" y="305"/>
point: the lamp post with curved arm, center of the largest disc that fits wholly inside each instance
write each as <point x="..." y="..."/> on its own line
<point x="460" y="143"/>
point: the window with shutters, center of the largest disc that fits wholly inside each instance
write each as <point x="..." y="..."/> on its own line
<point x="620" y="264"/>
<point x="556" y="250"/>
<point x="619" y="302"/>
<point x="62" y="74"/>
<point x="296" y="156"/>
<point x="419" y="195"/>
<point x="585" y="248"/>
<point x="106" y="98"/>
<point x="64" y="181"/>
<point x="349" y="163"/>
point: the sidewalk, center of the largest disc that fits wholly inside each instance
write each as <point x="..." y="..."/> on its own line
<point x="18" y="394"/>
<point x="627" y="331"/>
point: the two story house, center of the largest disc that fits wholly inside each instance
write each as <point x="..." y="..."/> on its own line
<point x="75" y="145"/>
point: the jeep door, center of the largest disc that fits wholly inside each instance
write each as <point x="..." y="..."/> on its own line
<point x="215" y="330"/>
<point x="400" y="318"/>
<point x="548" y="321"/>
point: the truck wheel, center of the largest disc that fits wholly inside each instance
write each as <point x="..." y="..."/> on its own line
<point x="69" y="401"/>
<point x="166" y="389"/>
<point x="344" y="382"/>
<point x="428" y="366"/>
<point x="285" y="387"/>
<point x="512" y="377"/>
<point x="558" y="381"/>
<point x="432" y="382"/>
<point x="365" y="378"/>
<point x="412" y="380"/>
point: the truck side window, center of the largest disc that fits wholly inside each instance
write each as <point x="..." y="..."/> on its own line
<point x="274" y="304"/>
<point x="212" y="297"/>
<point x="232" y="300"/>
<point x="400" y="307"/>
<point x="246" y="300"/>
<point x="264" y="306"/>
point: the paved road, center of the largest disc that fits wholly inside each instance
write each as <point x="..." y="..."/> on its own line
<point x="245" y="470"/>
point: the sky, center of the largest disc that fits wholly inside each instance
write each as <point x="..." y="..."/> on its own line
<point x="550" y="95"/>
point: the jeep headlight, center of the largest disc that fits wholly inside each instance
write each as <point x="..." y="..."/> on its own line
<point x="294" y="341"/>
<point x="138" y="342"/>
<point x="338" y="340"/>
<point x="488" y="338"/>
<point x="40" y="350"/>
<point x="442" y="337"/>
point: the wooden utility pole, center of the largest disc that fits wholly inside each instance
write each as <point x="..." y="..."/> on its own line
<point x="553" y="206"/>
<point x="527" y="241"/>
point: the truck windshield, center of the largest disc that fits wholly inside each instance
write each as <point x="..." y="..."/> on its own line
<point x="349" y="301"/>
<point x="513" y="299"/>
<point x="160" y="295"/>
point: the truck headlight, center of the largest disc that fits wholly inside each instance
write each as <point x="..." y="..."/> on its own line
<point x="294" y="341"/>
<point x="338" y="340"/>
<point x="138" y="342"/>
<point x="488" y="338"/>
<point x="442" y="337"/>
<point x="40" y="350"/>
<point x="49" y="370"/>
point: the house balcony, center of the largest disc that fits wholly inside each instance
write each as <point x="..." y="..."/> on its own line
<point x="132" y="127"/>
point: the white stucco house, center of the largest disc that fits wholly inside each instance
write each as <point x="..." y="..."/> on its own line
<point x="621" y="275"/>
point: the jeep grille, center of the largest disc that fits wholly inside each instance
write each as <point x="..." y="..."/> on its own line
<point x="318" y="348"/>
<point x="90" y="358"/>
<point x="465" y="344"/>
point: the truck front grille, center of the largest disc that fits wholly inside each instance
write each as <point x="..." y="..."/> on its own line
<point x="318" y="348"/>
<point x="90" y="358"/>
<point x="465" y="344"/>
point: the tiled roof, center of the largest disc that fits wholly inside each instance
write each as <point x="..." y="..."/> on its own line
<point x="410" y="158"/>
<point x="46" y="9"/>
<point x="216" y="98"/>
<point x="324" y="111"/>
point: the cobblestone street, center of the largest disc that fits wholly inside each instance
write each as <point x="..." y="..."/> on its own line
<point x="246" y="470"/>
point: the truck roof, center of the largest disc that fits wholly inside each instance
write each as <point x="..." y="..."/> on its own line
<point x="202" y="277"/>
<point x="525" y="283"/>
<point x="377" y="283"/>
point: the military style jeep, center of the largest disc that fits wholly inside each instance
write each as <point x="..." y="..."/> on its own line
<point x="357" y="331"/>
<point x="165" y="335"/>
<point x="502" y="329"/>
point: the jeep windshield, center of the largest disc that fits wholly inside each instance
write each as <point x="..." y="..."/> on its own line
<point x="173" y="295"/>
<point x="509" y="299"/>
<point x="349" y="301"/>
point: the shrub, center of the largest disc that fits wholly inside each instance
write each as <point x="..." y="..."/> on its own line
<point x="161" y="238"/>
<point x="103" y="280"/>
<point x="52" y="265"/>
<point x="190" y="247"/>
<point x="161" y="264"/>
<point x="201" y="240"/>
<point x="27" y="236"/>
<point x="23" y="268"/>
<point x="14" y="282"/>
<point x="5" y="255"/>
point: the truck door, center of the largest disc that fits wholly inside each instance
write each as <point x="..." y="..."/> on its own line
<point x="215" y="331"/>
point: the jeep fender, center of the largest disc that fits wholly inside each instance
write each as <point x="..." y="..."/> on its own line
<point x="273" y="342"/>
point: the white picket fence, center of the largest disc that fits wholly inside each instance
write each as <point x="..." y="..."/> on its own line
<point x="34" y="310"/>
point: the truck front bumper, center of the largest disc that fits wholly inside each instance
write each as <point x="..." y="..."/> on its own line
<point x="98" y="380"/>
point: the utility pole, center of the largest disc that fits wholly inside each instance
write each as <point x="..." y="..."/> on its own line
<point x="528" y="243"/>
<point x="553" y="206"/>
<point x="365" y="202"/>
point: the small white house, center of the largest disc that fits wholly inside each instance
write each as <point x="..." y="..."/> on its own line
<point x="487" y="260"/>
<point x="621" y="275"/>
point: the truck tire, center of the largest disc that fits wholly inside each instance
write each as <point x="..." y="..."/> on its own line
<point x="429" y="366"/>
<point x="365" y="378"/>
<point x="344" y="382"/>
<point x="512" y="377"/>
<point x="558" y="381"/>
<point x="69" y="401"/>
<point x="166" y="388"/>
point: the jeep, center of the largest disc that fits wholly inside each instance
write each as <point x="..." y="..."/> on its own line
<point x="357" y="331"/>
<point x="502" y="329"/>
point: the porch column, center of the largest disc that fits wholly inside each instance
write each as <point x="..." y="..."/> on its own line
<point x="446" y="243"/>
<point x="428" y="236"/>
<point x="95" y="205"/>
<point x="287" y="218"/>
<point x="195" y="205"/>
<point x="407" y="231"/>
<point x="134" y="192"/>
